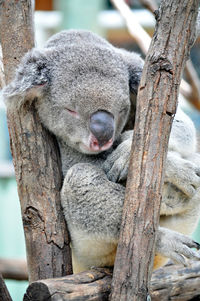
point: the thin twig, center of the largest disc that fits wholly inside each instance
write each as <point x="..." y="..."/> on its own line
<point x="2" y="76"/>
<point x="149" y="4"/>
<point x="192" y="76"/>
<point x="190" y="92"/>
<point x="134" y="28"/>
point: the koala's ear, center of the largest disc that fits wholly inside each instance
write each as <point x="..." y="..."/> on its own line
<point x="134" y="78"/>
<point x="135" y="65"/>
<point x="31" y="79"/>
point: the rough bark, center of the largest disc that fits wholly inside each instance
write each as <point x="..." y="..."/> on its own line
<point x="156" y="106"/>
<point x="4" y="293"/>
<point x="36" y="158"/>
<point x="168" y="283"/>
<point x="13" y="269"/>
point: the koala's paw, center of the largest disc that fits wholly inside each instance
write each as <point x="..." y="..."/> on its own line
<point x="176" y="246"/>
<point x="182" y="173"/>
<point x="116" y="164"/>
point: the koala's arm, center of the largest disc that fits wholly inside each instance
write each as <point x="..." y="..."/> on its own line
<point x="93" y="210"/>
<point x="183" y="135"/>
<point x="180" y="206"/>
<point x="117" y="163"/>
<point x="182" y="165"/>
<point x="176" y="246"/>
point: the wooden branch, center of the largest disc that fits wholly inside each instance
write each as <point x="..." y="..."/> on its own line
<point x="156" y="106"/>
<point x="135" y="29"/>
<point x="4" y="293"/>
<point x="176" y="283"/>
<point x="2" y="77"/>
<point x="168" y="283"/>
<point x="194" y="81"/>
<point x="36" y="158"/>
<point x="13" y="269"/>
<point x="151" y="5"/>
<point x="89" y="285"/>
<point x="143" y="40"/>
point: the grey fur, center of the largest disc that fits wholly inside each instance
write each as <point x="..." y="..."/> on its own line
<point x="75" y="75"/>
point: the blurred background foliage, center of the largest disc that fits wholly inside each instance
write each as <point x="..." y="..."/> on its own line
<point x="52" y="16"/>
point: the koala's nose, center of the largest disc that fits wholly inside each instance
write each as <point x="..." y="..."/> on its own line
<point x="102" y="126"/>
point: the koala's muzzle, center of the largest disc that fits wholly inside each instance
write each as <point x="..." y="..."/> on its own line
<point x="102" y="127"/>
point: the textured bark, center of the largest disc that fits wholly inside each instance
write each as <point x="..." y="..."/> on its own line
<point x="36" y="158"/>
<point x="13" y="269"/>
<point x="18" y="37"/>
<point x="168" y="283"/>
<point x="156" y="106"/>
<point x="4" y="293"/>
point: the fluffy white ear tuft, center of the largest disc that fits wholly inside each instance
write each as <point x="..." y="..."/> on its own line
<point x="32" y="76"/>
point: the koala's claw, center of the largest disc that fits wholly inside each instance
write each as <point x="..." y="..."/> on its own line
<point x="176" y="246"/>
<point x="183" y="173"/>
<point x="118" y="171"/>
<point x="187" y="253"/>
<point x="196" y="245"/>
<point x="116" y="164"/>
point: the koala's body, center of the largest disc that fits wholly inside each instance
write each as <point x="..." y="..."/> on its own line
<point x="82" y="86"/>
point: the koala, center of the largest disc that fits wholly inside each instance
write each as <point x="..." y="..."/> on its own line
<point x="84" y="90"/>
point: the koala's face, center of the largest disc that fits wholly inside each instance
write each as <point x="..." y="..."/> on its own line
<point x="88" y="103"/>
<point x="82" y="85"/>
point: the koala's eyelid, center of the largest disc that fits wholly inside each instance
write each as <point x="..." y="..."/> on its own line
<point x="73" y="113"/>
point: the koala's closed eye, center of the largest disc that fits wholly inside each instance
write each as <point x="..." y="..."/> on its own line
<point x="72" y="112"/>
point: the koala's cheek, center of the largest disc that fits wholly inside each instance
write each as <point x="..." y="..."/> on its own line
<point x="120" y="124"/>
<point x="79" y="140"/>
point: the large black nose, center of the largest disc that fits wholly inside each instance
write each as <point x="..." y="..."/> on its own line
<point x="102" y="126"/>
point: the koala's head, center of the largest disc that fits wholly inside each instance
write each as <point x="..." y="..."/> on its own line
<point x="81" y="86"/>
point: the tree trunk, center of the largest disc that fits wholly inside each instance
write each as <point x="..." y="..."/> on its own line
<point x="172" y="282"/>
<point x="4" y="293"/>
<point x="36" y="158"/>
<point x="156" y="106"/>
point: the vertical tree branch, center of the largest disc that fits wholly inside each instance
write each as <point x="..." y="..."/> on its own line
<point x="36" y="158"/>
<point x="2" y="77"/>
<point x="156" y="106"/>
<point x="18" y="37"/>
<point x="4" y="293"/>
<point x="194" y="81"/>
